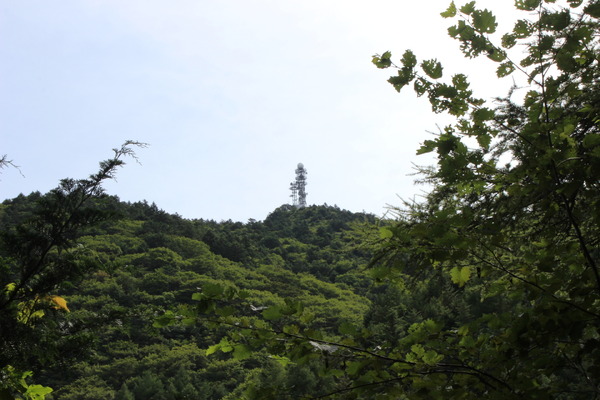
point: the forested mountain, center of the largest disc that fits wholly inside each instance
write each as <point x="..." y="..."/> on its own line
<point x="487" y="288"/>
<point x="149" y="262"/>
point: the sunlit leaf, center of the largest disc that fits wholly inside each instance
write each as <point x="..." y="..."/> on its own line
<point x="10" y="287"/>
<point x="284" y="361"/>
<point x="60" y="303"/>
<point x="212" y="349"/>
<point x="37" y="392"/>
<point x="468" y="8"/>
<point x="450" y="11"/>
<point x="385" y="233"/>
<point x="460" y="276"/>
<point x="197" y="296"/>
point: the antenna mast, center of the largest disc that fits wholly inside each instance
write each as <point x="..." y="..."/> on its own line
<point x="298" y="187"/>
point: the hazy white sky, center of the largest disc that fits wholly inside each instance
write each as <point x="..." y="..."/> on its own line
<point x="231" y="95"/>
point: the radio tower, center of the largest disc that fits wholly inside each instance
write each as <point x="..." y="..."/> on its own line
<point x="298" y="187"/>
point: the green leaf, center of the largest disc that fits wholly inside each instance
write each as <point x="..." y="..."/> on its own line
<point x="399" y="81"/>
<point x="212" y="349"/>
<point x="166" y="319"/>
<point x="10" y="287"/>
<point x="418" y="350"/>
<point x="37" y="392"/>
<point x="408" y="59"/>
<point x="463" y="330"/>
<point x="292" y="307"/>
<point x="37" y="314"/>
<point x="484" y="140"/>
<point x="383" y="61"/>
<point x="483" y="114"/>
<point x="225" y="311"/>
<point x="347" y="329"/>
<point x="565" y="61"/>
<point x="355" y="367"/>
<point x="206" y="306"/>
<point x="433" y="68"/>
<point x="591" y="140"/>
<point x="509" y="40"/>
<point x="446" y="91"/>
<point x="291" y="329"/>
<point x="189" y="321"/>
<point x="460" y="276"/>
<point x="223" y="346"/>
<point x="385" y="233"/>
<point x="505" y="69"/>
<point x="527" y="5"/>
<point x="468" y="8"/>
<point x="460" y="82"/>
<point x="496" y="54"/>
<point x="284" y="361"/>
<point x="593" y="9"/>
<point x="450" y="11"/>
<point x="556" y="21"/>
<point x="546" y="42"/>
<point x="427" y="147"/>
<point x="431" y="326"/>
<point x="467" y="341"/>
<point x="380" y="272"/>
<point x="212" y="289"/>
<point x="272" y="313"/>
<point x="197" y="296"/>
<point x="432" y="358"/>
<point x="400" y="367"/>
<point x="522" y="29"/>
<point x="307" y="317"/>
<point x="484" y="21"/>
<point x="421" y="86"/>
<point x="241" y="352"/>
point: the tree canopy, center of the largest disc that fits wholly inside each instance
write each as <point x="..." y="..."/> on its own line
<point x="515" y="205"/>
<point x="506" y="245"/>
<point x="488" y="288"/>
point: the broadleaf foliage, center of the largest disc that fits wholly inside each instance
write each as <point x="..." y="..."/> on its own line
<point x="508" y="238"/>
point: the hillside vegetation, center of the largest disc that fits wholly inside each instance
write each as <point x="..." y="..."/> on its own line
<point x="487" y="288"/>
<point x="147" y="262"/>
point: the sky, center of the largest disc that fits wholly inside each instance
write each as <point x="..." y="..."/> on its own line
<point x="230" y="96"/>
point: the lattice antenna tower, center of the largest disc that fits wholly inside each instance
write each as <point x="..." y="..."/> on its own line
<point x="298" y="187"/>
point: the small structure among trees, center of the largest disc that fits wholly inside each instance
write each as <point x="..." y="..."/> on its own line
<point x="298" y="187"/>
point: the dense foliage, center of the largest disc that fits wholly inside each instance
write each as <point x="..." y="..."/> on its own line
<point x="142" y="262"/>
<point x="514" y="213"/>
<point x="493" y="282"/>
<point x="38" y="252"/>
<point x="488" y="288"/>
